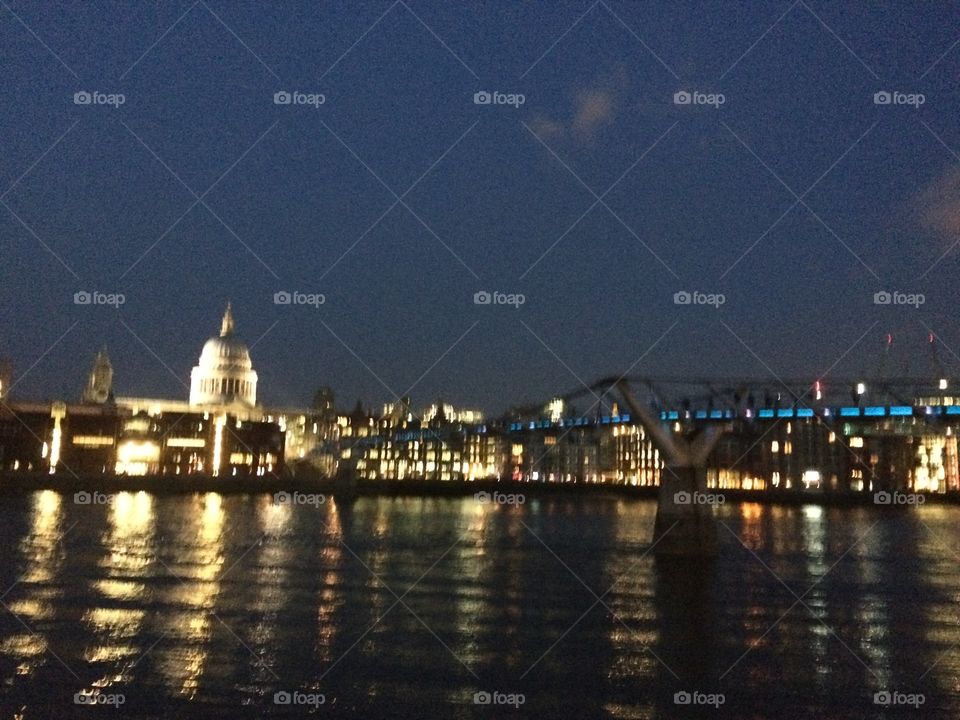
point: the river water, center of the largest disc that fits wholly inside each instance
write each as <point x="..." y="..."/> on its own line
<point x="208" y="606"/>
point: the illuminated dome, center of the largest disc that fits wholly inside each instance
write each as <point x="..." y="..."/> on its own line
<point x="224" y="374"/>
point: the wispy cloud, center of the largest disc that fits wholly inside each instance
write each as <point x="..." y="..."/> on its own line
<point x="593" y="106"/>
<point x="938" y="205"/>
<point x="594" y="109"/>
<point x="545" y="127"/>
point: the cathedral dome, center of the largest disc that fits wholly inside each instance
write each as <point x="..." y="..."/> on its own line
<point x="224" y="373"/>
<point x="228" y="353"/>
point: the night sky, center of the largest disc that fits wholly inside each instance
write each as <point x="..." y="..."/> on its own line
<point x="598" y="198"/>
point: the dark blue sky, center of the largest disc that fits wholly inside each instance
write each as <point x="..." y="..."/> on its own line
<point x="502" y="206"/>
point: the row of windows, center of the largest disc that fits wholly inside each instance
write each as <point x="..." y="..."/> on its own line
<point x="226" y="386"/>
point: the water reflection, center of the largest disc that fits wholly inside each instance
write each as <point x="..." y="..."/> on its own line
<point x="330" y="596"/>
<point x="129" y="547"/>
<point x="196" y="562"/>
<point x="42" y="554"/>
<point x="35" y="596"/>
<point x="630" y="587"/>
<point x="687" y="613"/>
<point x="115" y="620"/>
<point x="496" y="591"/>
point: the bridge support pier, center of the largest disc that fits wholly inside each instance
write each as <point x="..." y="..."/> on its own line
<point x="684" y="527"/>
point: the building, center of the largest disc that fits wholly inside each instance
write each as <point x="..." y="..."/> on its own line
<point x="219" y="430"/>
<point x="99" y="387"/>
<point x="6" y="378"/>
<point x="224" y="375"/>
<point x="442" y="444"/>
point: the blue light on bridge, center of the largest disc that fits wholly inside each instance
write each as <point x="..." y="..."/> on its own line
<point x="875" y="411"/>
<point x="953" y="410"/>
<point x="804" y="412"/>
<point x="700" y="415"/>
<point x="849" y="412"/>
<point x="901" y="410"/>
<point x="625" y="418"/>
<point x="716" y="414"/>
<point x="765" y="413"/>
<point x="785" y="412"/>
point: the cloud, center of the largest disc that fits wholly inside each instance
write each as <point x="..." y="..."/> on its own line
<point x="939" y="205"/>
<point x="544" y="127"/>
<point x="594" y="108"/>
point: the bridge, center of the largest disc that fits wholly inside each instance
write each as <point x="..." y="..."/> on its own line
<point x="848" y="435"/>
<point x="687" y="429"/>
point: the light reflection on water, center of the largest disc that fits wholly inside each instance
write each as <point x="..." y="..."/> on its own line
<point x="38" y="591"/>
<point x="206" y="605"/>
<point x="196" y="568"/>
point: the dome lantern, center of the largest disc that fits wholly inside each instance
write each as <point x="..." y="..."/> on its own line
<point x="226" y="326"/>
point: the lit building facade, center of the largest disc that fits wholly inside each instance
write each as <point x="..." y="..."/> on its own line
<point x="821" y="451"/>
<point x="83" y="439"/>
<point x="224" y="375"/>
<point x="6" y="378"/>
<point x="221" y="431"/>
<point x="218" y="431"/>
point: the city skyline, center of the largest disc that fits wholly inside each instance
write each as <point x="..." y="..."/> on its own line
<point x="410" y="358"/>
<point x="824" y="390"/>
<point x="222" y="175"/>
